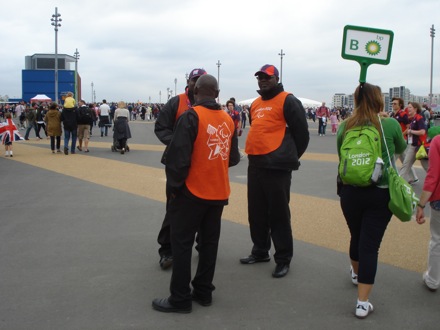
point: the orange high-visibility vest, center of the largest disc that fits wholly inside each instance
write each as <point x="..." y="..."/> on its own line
<point x="184" y="104"/>
<point x="208" y="176"/>
<point x="268" y="125"/>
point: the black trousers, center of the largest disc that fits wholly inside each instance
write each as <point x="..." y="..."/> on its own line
<point x="269" y="213"/>
<point x="187" y="217"/>
<point x="52" y="142"/>
<point x="367" y="215"/>
<point x="163" y="238"/>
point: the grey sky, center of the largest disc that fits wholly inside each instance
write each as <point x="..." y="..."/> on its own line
<point x="133" y="49"/>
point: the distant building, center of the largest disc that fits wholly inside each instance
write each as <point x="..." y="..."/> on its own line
<point x="346" y="100"/>
<point x="341" y="100"/>
<point x="401" y="92"/>
<point x="38" y="77"/>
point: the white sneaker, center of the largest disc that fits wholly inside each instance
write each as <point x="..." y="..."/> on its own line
<point x="353" y="275"/>
<point x="429" y="287"/>
<point x="6" y="153"/>
<point x="363" y="309"/>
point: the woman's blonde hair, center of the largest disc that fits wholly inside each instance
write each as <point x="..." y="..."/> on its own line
<point x="121" y="105"/>
<point x="368" y="102"/>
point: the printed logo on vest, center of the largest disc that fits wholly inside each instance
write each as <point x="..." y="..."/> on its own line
<point x="218" y="141"/>
<point x="259" y="113"/>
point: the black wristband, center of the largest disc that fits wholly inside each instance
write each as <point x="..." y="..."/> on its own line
<point x="421" y="206"/>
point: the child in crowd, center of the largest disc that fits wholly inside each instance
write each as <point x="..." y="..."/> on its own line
<point x="8" y="134"/>
<point x="334" y="121"/>
<point x="69" y="102"/>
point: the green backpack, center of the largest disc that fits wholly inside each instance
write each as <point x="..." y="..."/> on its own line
<point x="360" y="150"/>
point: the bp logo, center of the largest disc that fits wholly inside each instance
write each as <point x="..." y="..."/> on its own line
<point x="373" y="47"/>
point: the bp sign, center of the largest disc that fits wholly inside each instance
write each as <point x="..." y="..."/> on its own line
<point x="367" y="46"/>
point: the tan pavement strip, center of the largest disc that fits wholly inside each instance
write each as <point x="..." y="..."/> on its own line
<point x="315" y="220"/>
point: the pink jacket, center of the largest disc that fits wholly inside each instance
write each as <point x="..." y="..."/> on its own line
<point x="432" y="180"/>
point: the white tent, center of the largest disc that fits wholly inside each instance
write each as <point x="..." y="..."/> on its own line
<point x="41" y="98"/>
<point x="307" y="103"/>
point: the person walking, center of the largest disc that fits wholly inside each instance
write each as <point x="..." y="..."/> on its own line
<point x="31" y="118"/>
<point x="416" y="136"/>
<point x="121" y="128"/>
<point x="235" y="115"/>
<point x="85" y="121"/>
<point x="431" y="194"/>
<point x="40" y="122"/>
<point x="69" y="117"/>
<point x="164" y="130"/>
<point x="323" y="114"/>
<point x="277" y="138"/>
<point x="204" y="146"/>
<point x="366" y="208"/>
<point x="53" y="124"/>
<point x="401" y="115"/>
<point x="8" y="134"/>
<point x="104" y="117"/>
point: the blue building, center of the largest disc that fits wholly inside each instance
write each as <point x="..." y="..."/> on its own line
<point x="38" y="77"/>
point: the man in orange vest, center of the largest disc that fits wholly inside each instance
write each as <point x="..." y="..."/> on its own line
<point x="164" y="130"/>
<point x="205" y="144"/>
<point x="278" y="137"/>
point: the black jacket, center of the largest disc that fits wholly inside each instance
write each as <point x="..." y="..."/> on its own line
<point x="164" y="125"/>
<point x="296" y="137"/>
<point x="69" y="117"/>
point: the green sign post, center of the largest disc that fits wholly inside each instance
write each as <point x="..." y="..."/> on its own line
<point x="367" y="46"/>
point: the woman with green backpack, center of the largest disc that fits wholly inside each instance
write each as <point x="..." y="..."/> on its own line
<point x="365" y="205"/>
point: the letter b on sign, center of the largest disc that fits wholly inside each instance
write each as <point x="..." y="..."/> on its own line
<point x="354" y="44"/>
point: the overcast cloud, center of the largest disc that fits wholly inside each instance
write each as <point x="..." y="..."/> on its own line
<point x="132" y="50"/>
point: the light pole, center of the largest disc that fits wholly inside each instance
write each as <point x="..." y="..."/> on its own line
<point x="218" y="79"/>
<point x="168" y="93"/>
<point x="281" y="67"/>
<point x="56" y="24"/>
<point x="160" y="97"/>
<point x="93" y="100"/>
<point x="432" y="63"/>
<point x="175" y="86"/>
<point x="76" y="56"/>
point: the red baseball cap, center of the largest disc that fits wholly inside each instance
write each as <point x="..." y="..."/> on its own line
<point x="268" y="69"/>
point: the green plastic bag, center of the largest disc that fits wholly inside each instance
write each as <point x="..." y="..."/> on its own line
<point x="421" y="153"/>
<point x="403" y="200"/>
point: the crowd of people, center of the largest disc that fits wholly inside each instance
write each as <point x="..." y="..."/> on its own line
<point x="75" y="122"/>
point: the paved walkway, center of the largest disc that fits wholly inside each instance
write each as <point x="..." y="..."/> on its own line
<point x="78" y="248"/>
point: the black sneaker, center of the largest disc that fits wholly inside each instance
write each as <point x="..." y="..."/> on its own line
<point x="66" y="151"/>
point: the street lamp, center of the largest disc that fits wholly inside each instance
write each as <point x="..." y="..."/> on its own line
<point x="76" y="56"/>
<point x="160" y="97"/>
<point x="281" y="68"/>
<point x="175" y="86"/>
<point x="56" y="24"/>
<point x="93" y="100"/>
<point x="218" y="79"/>
<point x="432" y="59"/>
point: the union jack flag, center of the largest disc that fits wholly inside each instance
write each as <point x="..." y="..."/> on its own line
<point x="9" y="132"/>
